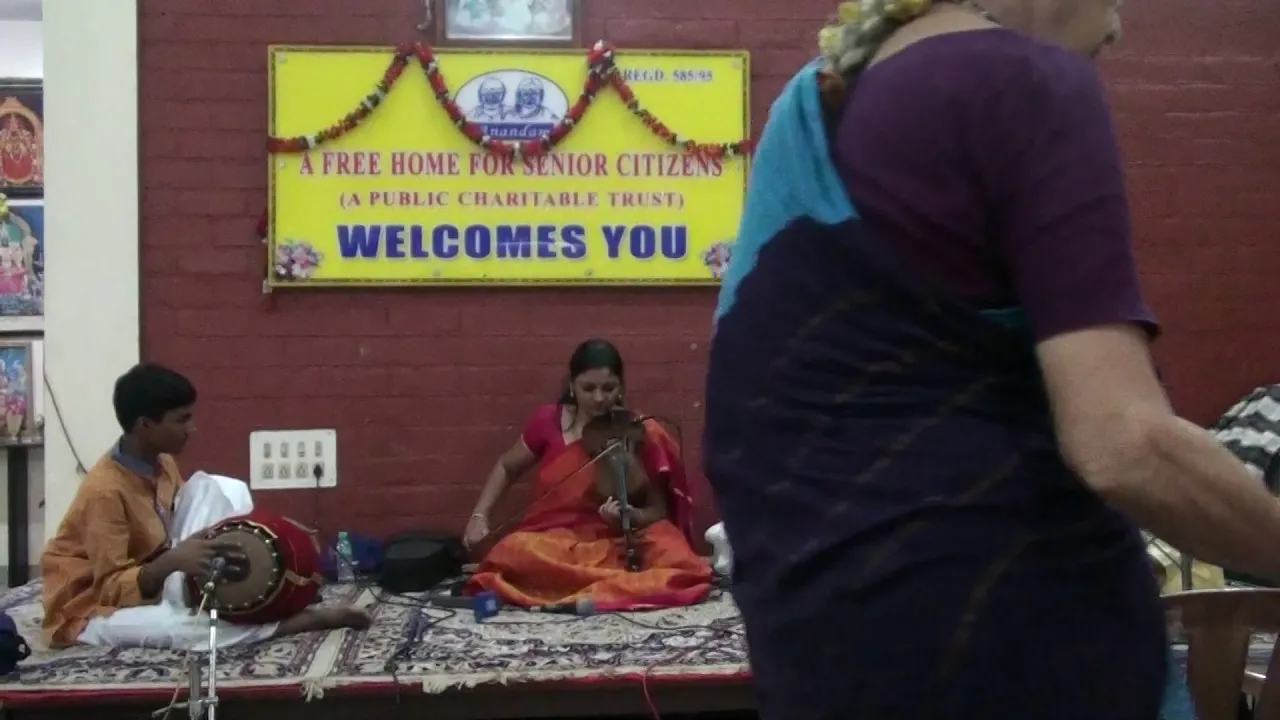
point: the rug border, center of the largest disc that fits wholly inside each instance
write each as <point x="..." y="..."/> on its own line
<point x="386" y="685"/>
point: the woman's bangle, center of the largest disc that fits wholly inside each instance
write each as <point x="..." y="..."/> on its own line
<point x="481" y="516"/>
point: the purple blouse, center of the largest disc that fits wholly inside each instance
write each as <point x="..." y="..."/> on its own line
<point x="1018" y="198"/>
<point x="883" y="456"/>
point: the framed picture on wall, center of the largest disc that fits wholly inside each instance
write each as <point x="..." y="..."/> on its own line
<point x="21" y="138"/>
<point x="17" y="392"/>
<point x="21" y="266"/>
<point x="508" y="22"/>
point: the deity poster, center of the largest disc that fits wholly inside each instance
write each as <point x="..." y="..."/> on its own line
<point x="21" y="264"/>
<point x="539" y="22"/>
<point x="21" y="139"/>
<point x="17" y="420"/>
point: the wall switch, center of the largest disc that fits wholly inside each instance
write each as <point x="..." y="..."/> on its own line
<point x="290" y="459"/>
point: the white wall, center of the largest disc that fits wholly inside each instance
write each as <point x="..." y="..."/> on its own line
<point x="91" y="228"/>
<point x="21" y="50"/>
<point x="22" y="56"/>
<point x="91" y="233"/>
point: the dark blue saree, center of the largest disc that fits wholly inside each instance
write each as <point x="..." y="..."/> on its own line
<point x="907" y="540"/>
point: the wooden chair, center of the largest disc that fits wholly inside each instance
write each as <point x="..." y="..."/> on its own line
<point x="1219" y="625"/>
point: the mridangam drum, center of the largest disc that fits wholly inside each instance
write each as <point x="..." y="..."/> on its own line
<point x="283" y="576"/>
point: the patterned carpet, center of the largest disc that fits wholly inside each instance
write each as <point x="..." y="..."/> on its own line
<point x="437" y="649"/>
<point x="286" y="661"/>
<point x="434" y="648"/>
<point x="445" y="648"/>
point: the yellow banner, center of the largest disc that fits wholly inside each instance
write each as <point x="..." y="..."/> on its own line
<point x="406" y="199"/>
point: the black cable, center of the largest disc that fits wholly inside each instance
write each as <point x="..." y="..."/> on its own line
<point x="365" y="582"/>
<point x="420" y="623"/>
<point x="420" y="628"/>
<point x="62" y="423"/>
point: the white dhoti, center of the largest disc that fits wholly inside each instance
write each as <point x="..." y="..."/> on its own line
<point x="721" y="551"/>
<point x="204" y="501"/>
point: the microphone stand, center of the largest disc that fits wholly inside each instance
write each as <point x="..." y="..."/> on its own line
<point x="211" y="697"/>
<point x="201" y="704"/>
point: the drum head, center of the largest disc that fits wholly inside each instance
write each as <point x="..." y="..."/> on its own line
<point x="264" y="571"/>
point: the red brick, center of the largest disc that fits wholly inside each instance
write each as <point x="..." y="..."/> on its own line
<point x="426" y="387"/>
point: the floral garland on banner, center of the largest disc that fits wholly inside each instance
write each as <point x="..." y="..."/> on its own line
<point x="298" y="261"/>
<point x="602" y="72"/>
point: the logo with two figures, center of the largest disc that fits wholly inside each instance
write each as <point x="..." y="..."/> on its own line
<point x="513" y="105"/>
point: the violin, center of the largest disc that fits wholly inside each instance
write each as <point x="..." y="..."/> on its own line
<point x="613" y="439"/>
<point x="619" y="435"/>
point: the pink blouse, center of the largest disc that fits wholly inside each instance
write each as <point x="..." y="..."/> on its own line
<point x="542" y="434"/>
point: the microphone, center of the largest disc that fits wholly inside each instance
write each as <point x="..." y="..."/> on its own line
<point x="217" y="568"/>
<point x="582" y="607"/>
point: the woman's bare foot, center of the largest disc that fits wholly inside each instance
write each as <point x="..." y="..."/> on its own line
<point x="325" y="619"/>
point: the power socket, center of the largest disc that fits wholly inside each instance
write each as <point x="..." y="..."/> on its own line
<point x="293" y="459"/>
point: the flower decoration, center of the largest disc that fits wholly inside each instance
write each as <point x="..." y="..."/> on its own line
<point x="849" y="13"/>
<point x="296" y="260"/>
<point x="717" y="259"/>
<point x="602" y="73"/>
<point x="4" y="207"/>
<point x="904" y="10"/>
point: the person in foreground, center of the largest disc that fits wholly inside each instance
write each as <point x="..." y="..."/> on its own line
<point x="568" y="545"/>
<point x="933" y="422"/>
<point x="114" y="572"/>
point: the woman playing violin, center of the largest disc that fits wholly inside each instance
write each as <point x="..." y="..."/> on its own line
<point x="572" y="542"/>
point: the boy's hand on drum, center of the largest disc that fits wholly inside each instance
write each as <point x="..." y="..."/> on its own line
<point x="194" y="556"/>
<point x="237" y="565"/>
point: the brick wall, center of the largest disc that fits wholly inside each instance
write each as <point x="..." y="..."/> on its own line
<point x="426" y="387"/>
<point x="1197" y="98"/>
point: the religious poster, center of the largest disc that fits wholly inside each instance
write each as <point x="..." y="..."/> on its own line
<point x="469" y="166"/>
<point x="17" y="419"/>
<point x="21" y="264"/>
<point x="21" y="138"/>
<point x="508" y="21"/>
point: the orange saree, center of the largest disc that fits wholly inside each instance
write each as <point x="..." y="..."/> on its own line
<point x="563" y="551"/>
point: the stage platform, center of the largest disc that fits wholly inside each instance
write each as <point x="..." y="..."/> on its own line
<point x="414" y="659"/>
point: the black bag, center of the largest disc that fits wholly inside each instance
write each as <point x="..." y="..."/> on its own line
<point x="13" y="647"/>
<point x="419" y="561"/>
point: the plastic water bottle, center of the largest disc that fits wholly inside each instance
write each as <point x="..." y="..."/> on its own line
<point x="345" y="559"/>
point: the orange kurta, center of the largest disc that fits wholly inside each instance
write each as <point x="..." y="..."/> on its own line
<point x="90" y="568"/>
<point x="563" y="551"/>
